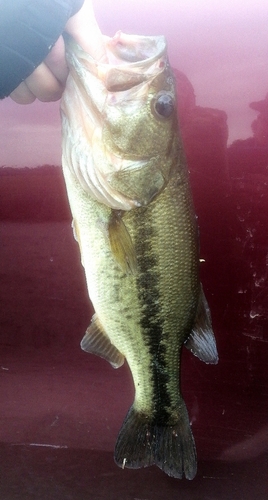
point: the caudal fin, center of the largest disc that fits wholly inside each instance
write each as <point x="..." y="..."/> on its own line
<point x="142" y="442"/>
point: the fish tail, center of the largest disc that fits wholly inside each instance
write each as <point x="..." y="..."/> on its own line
<point x="142" y="442"/>
<point x="133" y="448"/>
<point x="175" y="451"/>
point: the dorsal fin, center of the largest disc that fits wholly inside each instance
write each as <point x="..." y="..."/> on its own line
<point x="201" y="341"/>
<point x="96" y="341"/>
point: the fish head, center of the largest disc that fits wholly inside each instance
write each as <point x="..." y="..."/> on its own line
<point x="120" y="128"/>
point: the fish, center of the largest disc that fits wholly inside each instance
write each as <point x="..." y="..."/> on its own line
<point x="134" y="220"/>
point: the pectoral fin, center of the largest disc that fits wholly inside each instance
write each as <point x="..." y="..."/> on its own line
<point x="76" y="234"/>
<point x="96" y="341"/>
<point x="201" y="341"/>
<point x="121" y="243"/>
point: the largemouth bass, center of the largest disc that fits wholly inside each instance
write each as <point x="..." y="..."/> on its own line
<point x="133" y="217"/>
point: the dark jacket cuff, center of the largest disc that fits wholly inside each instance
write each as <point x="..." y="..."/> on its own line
<point x="28" y="30"/>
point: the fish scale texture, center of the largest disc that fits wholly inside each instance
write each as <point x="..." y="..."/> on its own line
<point x="149" y="315"/>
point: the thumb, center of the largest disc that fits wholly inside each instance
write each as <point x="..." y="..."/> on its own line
<point x="84" y="29"/>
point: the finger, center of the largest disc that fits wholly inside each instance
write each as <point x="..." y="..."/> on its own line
<point x="56" y="61"/>
<point x="22" y="94"/>
<point x="84" y="29"/>
<point x="44" y="85"/>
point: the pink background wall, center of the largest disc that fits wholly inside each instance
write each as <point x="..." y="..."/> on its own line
<point x="220" y="46"/>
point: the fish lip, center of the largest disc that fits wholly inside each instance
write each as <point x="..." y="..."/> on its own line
<point x="157" y="44"/>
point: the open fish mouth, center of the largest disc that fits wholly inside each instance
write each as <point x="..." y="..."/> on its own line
<point x="132" y="59"/>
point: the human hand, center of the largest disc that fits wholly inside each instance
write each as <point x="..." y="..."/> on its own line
<point x="47" y="81"/>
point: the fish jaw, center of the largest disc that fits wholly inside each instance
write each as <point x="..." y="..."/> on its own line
<point x="136" y="48"/>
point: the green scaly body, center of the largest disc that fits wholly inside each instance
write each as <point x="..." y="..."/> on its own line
<point x="148" y="315"/>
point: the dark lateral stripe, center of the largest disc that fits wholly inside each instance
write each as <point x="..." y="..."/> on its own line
<point x="151" y="320"/>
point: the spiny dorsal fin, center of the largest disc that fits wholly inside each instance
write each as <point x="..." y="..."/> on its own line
<point x="96" y="341"/>
<point x="201" y="341"/>
<point x="121" y="243"/>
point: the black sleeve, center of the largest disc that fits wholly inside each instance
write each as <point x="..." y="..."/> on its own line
<point x="28" y="30"/>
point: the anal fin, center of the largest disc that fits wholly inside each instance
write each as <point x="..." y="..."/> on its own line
<point x="96" y="341"/>
<point x="201" y="341"/>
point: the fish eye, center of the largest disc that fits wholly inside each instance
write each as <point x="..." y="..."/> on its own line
<point x="164" y="105"/>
